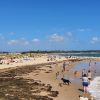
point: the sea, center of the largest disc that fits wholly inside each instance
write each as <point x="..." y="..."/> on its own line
<point x="94" y="87"/>
<point x="83" y="54"/>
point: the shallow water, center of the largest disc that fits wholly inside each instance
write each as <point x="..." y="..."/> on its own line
<point x="93" y="66"/>
<point x="94" y="87"/>
<point x="83" y="54"/>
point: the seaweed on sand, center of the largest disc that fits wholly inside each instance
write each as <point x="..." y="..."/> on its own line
<point x="18" y="88"/>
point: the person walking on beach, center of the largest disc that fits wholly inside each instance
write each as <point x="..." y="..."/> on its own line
<point x="90" y="63"/>
<point x="64" y="65"/>
<point x="83" y="72"/>
<point x="58" y="77"/>
<point x="85" y="83"/>
<point x="57" y="74"/>
<point x="89" y="75"/>
<point x="95" y="69"/>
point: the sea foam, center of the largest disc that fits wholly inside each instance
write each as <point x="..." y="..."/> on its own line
<point x="94" y="88"/>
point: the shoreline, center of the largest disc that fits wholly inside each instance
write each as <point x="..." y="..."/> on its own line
<point x="46" y="70"/>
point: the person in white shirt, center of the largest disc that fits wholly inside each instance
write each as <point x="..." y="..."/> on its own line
<point x="85" y="83"/>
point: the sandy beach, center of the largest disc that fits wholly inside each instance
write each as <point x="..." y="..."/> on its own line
<point x="36" y="79"/>
<point x="49" y="50"/>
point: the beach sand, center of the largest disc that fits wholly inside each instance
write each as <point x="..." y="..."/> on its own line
<point x="38" y="82"/>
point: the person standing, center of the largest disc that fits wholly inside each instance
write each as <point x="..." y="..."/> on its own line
<point x="89" y="75"/>
<point x="64" y="65"/>
<point x="90" y="63"/>
<point x="58" y="77"/>
<point x="85" y="83"/>
<point x="83" y="72"/>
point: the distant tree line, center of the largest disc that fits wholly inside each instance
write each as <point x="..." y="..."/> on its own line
<point x="61" y="51"/>
<point x="56" y="51"/>
<point x="4" y="52"/>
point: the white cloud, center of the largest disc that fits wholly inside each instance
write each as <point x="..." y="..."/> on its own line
<point x="25" y="43"/>
<point x="2" y="37"/>
<point x="12" y="42"/>
<point x="22" y="41"/>
<point x="18" y="42"/>
<point x="56" y="38"/>
<point x="95" y="40"/>
<point x="69" y="33"/>
<point x="68" y="36"/>
<point x="83" y="29"/>
<point x="35" y="40"/>
<point x="22" y="38"/>
<point x="12" y="33"/>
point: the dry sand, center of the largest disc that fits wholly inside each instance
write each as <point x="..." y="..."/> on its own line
<point x="31" y="61"/>
<point x="36" y="82"/>
<point x="50" y="78"/>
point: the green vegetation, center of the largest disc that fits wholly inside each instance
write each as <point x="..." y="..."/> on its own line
<point x="35" y="53"/>
<point x="63" y="51"/>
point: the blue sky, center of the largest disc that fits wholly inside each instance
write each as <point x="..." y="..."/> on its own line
<point x="49" y="25"/>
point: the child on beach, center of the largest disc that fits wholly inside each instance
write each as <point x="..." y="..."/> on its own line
<point x="83" y="72"/>
<point x="58" y="77"/>
<point x="57" y="74"/>
<point x="76" y="74"/>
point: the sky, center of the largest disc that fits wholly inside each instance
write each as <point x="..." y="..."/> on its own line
<point x="49" y="25"/>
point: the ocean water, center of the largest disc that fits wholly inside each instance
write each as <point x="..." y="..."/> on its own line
<point x="94" y="87"/>
<point x="83" y="54"/>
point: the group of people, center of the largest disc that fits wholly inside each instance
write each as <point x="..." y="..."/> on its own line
<point x="86" y="76"/>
